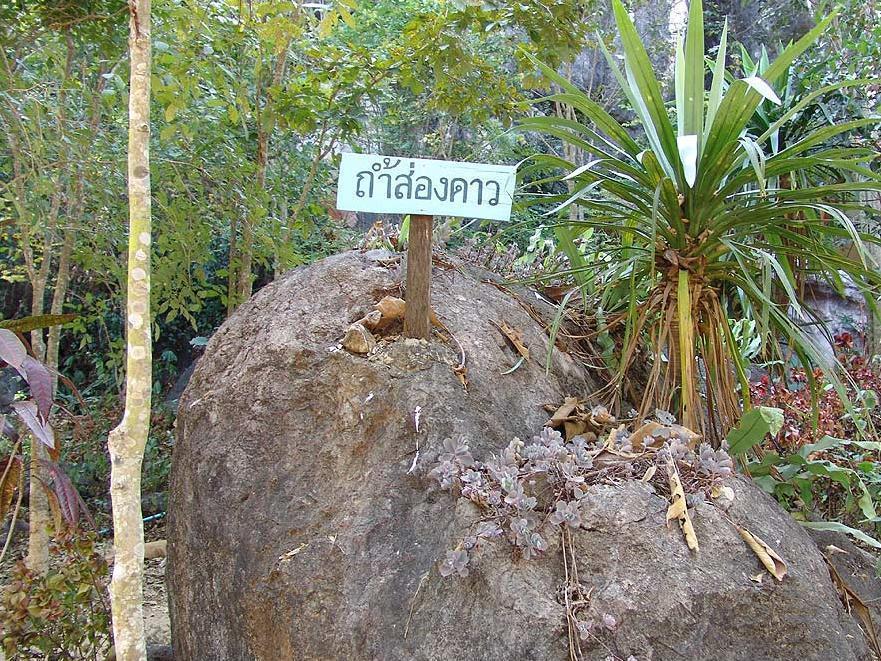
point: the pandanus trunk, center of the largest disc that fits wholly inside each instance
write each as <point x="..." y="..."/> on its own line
<point x="698" y="380"/>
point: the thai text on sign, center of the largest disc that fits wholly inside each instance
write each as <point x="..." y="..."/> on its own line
<point x="392" y="184"/>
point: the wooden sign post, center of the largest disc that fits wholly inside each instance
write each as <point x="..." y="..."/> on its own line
<point x="417" y="315"/>
<point x="423" y="188"/>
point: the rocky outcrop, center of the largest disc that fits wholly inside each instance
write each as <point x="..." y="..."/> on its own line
<point x="303" y="524"/>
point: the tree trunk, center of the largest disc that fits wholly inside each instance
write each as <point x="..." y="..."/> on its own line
<point x="873" y="254"/>
<point x="233" y="259"/>
<point x="127" y="441"/>
<point x="74" y="216"/>
<point x="62" y="280"/>
<point x="38" y="511"/>
<point x="321" y="151"/>
<point x="39" y="519"/>
<point x="246" y="249"/>
<point x="277" y="269"/>
<point x="264" y="133"/>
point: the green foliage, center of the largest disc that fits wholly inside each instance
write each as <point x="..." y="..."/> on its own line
<point x="851" y="51"/>
<point x="85" y="457"/>
<point x="835" y="477"/>
<point x="252" y="102"/>
<point x="835" y="526"/>
<point x="818" y="466"/>
<point x="699" y="224"/>
<point x="753" y="428"/>
<point x="64" y="614"/>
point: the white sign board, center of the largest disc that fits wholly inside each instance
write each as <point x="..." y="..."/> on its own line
<point x="392" y="184"/>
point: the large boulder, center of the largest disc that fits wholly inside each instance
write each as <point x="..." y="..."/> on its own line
<point x="303" y="524"/>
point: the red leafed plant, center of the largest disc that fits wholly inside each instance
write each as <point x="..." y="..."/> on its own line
<point x="832" y="415"/>
<point x="33" y="413"/>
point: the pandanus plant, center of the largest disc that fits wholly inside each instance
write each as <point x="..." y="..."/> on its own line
<point x="701" y="227"/>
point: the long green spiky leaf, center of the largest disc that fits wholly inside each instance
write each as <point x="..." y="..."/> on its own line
<point x="810" y="98"/>
<point x="737" y="106"/>
<point x="644" y="92"/>
<point x="600" y="145"/>
<point x="679" y="86"/>
<point x="822" y="135"/>
<point x="717" y="86"/>
<point x="694" y="71"/>
<point x="575" y="97"/>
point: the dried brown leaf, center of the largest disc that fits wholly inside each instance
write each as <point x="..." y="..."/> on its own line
<point x="600" y="417"/>
<point x="650" y="431"/>
<point x="371" y="320"/>
<point x="691" y="437"/>
<point x="155" y="549"/>
<point x="358" y="340"/>
<point x="556" y="292"/>
<point x="392" y="309"/>
<point x="10" y="474"/>
<point x="768" y="557"/>
<point x="563" y="413"/>
<point x="678" y="509"/>
<point x="54" y="508"/>
<point x="515" y="337"/>
<point x="852" y="601"/>
<point x="573" y="428"/>
<point x="723" y="497"/>
<point x="461" y="373"/>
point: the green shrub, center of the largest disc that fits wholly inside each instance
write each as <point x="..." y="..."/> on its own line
<point x="64" y="614"/>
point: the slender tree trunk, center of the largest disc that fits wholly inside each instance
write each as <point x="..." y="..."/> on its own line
<point x="277" y="268"/>
<point x="39" y="519"/>
<point x="38" y="506"/>
<point x="246" y="249"/>
<point x="127" y="441"/>
<point x="873" y="253"/>
<point x="62" y="280"/>
<point x="232" y="270"/>
<point x="244" y="285"/>
<point x="74" y="217"/>
<point x="321" y="152"/>
<point x="264" y="133"/>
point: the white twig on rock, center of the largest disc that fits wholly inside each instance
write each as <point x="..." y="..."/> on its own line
<point x="417" y="415"/>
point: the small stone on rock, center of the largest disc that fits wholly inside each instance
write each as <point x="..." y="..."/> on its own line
<point x="372" y="320"/>
<point x="358" y="339"/>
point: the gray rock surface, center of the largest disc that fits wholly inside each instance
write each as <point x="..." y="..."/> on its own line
<point x="828" y="313"/>
<point x="298" y="531"/>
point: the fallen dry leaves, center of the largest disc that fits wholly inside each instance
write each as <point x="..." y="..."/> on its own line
<point x="678" y="509"/>
<point x="574" y="418"/>
<point x="768" y="557"/>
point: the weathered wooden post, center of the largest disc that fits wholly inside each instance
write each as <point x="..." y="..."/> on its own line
<point x="423" y="188"/>
<point x="417" y="316"/>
